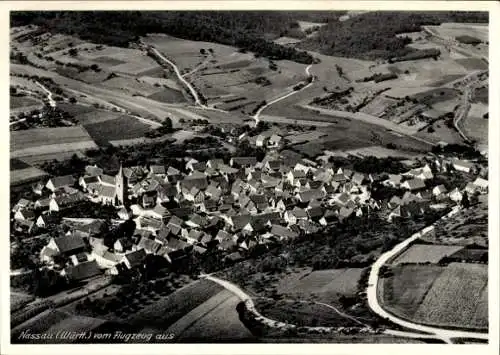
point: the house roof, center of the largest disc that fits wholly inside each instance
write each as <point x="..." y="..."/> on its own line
<point x="176" y="244"/>
<point x="83" y="270"/>
<point x="197" y="219"/>
<point x="149" y="245"/>
<point x="126" y="243"/>
<point x="107" y="179"/>
<point x="172" y="171"/>
<point x="462" y="163"/>
<point x="93" y="170"/>
<point x="282" y="232"/>
<point x="200" y="183"/>
<point x="174" y="220"/>
<point x="135" y="258"/>
<point x="440" y="188"/>
<point x="69" y="243"/>
<point x="160" y="210"/>
<point x="90" y="179"/>
<point x="107" y="191"/>
<point x="157" y="169"/>
<point x="244" y="161"/>
<point x="358" y="178"/>
<point x="345" y="212"/>
<point x="481" y="182"/>
<point x="299" y="212"/>
<point x="415" y="184"/>
<point x="309" y="195"/>
<point x="240" y="221"/>
<point x="60" y="181"/>
<point x="65" y="200"/>
<point x="315" y="212"/>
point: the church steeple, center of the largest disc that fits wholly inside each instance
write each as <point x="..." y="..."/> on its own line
<point x="120" y="186"/>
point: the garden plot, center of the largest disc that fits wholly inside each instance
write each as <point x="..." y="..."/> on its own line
<point x="426" y="253"/>
<point x="96" y="116"/>
<point x="172" y="84"/>
<point x="19" y="102"/>
<point x="457" y="297"/>
<point x="471" y="64"/>
<point x="168" y="95"/>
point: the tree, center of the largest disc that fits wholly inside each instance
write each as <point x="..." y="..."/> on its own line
<point x="465" y="203"/>
<point x="94" y="67"/>
<point x="203" y="51"/>
<point x="211" y="51"/>
<point x="73" y="52"/>
<point x="72" y="100"/>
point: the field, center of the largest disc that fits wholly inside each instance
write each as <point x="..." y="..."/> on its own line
<point x="425" y="253"/>
<point x="21" y="176"/>
<point x="303" y="314"/>
<point x="17" y="102"/>
<point x="474" y="125"/>
<point x="379" y="152"/>
<point x="168" y="310"/>
<point x="168" y="95"/>
<point x="458" y="298"/>
<point x="40" y="141"/>
<point x="19" y="299"/>
<point x="403" y="293"/>
<point x="451" y="296"/>
<point x="123" y="127"/>
<point x="452" y="30"/>
<point x="216" y="319"/>
<point x="327" y="284"/>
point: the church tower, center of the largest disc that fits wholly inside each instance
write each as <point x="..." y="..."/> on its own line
<point x="121" y="187"/>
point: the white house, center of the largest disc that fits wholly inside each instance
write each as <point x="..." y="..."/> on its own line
<point x="481" y="184"/>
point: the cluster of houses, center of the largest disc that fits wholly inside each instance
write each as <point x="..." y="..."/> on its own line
<point x="231" y="206"/>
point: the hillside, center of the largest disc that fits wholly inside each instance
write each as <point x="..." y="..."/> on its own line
<point x="250" y="31"/>
<point x="373" y="34"/>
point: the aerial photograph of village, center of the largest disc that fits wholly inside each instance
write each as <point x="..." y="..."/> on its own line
<point x="249" y="177"/>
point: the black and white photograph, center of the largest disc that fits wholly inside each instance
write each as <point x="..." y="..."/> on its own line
<point x="249" y="176"/>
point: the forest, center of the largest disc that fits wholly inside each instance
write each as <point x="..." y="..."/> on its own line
<point x="373" y="34"/>
<point x="251" y="30"/>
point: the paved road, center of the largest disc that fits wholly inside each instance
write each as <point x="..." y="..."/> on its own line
<point x="259" y="111"/>
<point x="375" y="306"/>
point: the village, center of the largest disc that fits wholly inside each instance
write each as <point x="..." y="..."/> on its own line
<point x="231" y="206"/>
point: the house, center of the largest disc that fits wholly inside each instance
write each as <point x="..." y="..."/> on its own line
<point x="107" y="195"/>
<point x="66" y="201"/>
<point x="196" y="221"/>
<point x="413" y="184"/>
<point x="190" y="163"/>
<point x="481" y="185"/>
<point x="58" y="182"/>
<point x="24" y="215"/>
<point x="123" y="214"/>
<point x="45" y="220"/>
<point x="81" y="271"/>
<point x="393" y="180"/>
<point x="291" y="217"/>
<point x="395" y="213"/>
<point x="93" y="170"/>
<point x="239" y="221"/>
<point x="242" y="161"/>
<point x="123" y="244"/>
<point x="234" y="257"/>
<point x="315" y="213"/>
<point x="261" y="140"/>
<point x="214" y="163"/>
<point x="470" y="188"/>
<point x="134" y="258"/>
<point x="150" y="246"/>
<point x="107" y="180"/>
<point x="260" y="202"/>
<point x="456" y="195"/>
<point x="38" y="188"/>
<point x="85" y="181"/>
<point x="345" y="213"/>
<point x="309" y="195"/>
<point x="358" y="178"/>
<point x="439" y="190"/>
<point x="461" y="165"/>
<point x="274" y="141"/>
<point x="21" y="204"/>
<point x="158" y="170"/>
<point x="67" y="245"/>
<point x="272" y="165"/>
<point x="282" y="232"/>
<point x="79" y="258"/>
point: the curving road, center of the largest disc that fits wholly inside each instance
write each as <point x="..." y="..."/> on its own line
<point x="281" y="325"/>
<point x="259" y="111"/>
<point x="180" y="77"/>
<point x="375" y="306"/>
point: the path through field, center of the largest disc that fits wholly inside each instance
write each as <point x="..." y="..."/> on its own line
<point x="259" y="111"/>
<point x="373" y="302"/>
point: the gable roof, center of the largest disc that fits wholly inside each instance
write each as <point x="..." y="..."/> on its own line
<point x="149" y="245"/>
<point x="313" y="194"/>
<point x="136" y="258"/>
<point x="244" y="161"/>
<point x="69" y="243"/>
<point x="92" y="170"/>
<point x="282" y="232"/>
<point x="83" y="270"/>
<point x="60" y="181"/>
<point x="415" y="184"/>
